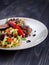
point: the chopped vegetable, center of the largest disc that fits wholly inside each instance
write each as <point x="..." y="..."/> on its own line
<point x="2" y="32"/>
<point x="3" y="42"/>
<point x="19" y="38"/>
<point x="2" y="36"/>
<point x="7" y="31"/>
<point x="9" y="40"/>
<point x="14" y="25"/>
<point x="13" y="32"/>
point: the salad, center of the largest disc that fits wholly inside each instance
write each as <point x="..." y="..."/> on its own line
<point x="13" y="32"/>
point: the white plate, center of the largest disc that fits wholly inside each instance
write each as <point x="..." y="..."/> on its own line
<point x="41" y="33"/>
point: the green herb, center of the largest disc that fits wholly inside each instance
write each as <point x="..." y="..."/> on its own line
<point x="19" y="38"/>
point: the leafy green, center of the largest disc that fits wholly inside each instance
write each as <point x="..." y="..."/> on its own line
<point x="19" y="38"/>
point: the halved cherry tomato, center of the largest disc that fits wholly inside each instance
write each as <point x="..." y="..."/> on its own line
<point x="9" y="39"/>
<point x="7" y="31"/>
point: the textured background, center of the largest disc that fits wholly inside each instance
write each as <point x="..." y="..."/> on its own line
<point x="37" y="9"/>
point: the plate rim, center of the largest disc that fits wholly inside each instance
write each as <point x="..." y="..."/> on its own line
<point x="27" y="47"/>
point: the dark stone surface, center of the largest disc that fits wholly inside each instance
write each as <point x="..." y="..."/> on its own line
<point x="37" y="9"/>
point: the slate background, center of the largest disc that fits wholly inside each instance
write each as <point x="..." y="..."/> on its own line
<point x="37" y="9"/>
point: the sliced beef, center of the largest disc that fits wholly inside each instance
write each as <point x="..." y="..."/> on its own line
<point x="4" y="26"/>
<point x="26" y="29"/>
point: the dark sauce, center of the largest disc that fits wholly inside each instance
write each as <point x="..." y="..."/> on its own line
<point x="34" y="35"/>
<point x="28" y="41"/>
<point x="35" y="31"/>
